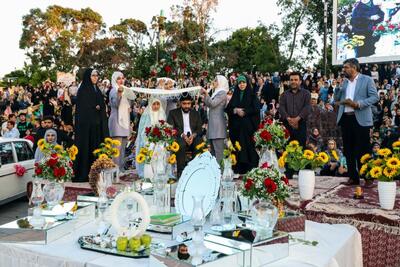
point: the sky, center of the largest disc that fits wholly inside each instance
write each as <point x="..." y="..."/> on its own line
<point x="229" y="15"/>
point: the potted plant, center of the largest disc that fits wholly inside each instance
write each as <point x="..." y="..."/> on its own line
<point x="270" y="136"/>
<point x="56" y="167"/>
<point x="305" y="162"/>
<point x="384" y="167"/>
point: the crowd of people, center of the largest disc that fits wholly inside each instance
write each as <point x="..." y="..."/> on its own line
<point x="308" y="103"/>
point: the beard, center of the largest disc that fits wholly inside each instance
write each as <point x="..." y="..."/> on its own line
<point x="186" y="110"/>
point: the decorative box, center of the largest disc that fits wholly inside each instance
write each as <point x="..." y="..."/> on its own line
<point x="178" y="231"/>
<point x="258" y="253"/>
<point x="53" y="229"/>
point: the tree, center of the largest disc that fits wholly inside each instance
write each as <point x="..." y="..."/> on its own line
<point x="131" y="30"/>
<point x="56" y="38"/>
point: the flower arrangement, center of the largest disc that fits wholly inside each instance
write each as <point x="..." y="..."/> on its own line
<point x="56" y="165"/>
<point x="271" y="135"/>
<point x="201" y="148"/>
<point x="229" y="151"/>
<point x="385" y="167"/>
<point x="298" y="159"/>
<point x="19" y="170"/>
<point x="108" y="149"/>
<point x="265" y="183"/>
<point x="161" y="132"/>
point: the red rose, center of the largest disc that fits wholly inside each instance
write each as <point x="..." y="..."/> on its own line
<point x="270" y="185"/>
<point x="168" y="131"/>
<point x="183" y="66"/>
<point x="71" y="164"/>
<point x="174" y="56"/>
<point x="156" y="132"/>
<point x="287" y="134"/>
<point x="266" y="135"/>
<point x="174" y="132"/>
<point x="373" y="28"/>
<point x="268" y="121"/>
<point x="38" y="171"/>
<point x="265" y="165"/>
<point x="59" y="172"/>
<point x="162" y="122"/>
<point x="147" y="130"/>
<point x="285" y="180"/>
<point x="261" y="125"/>
<point x="249" y="184"/>
<point x="153" y="73"/>
<point x="391" y="26"/>
<point x="205" y="73"/>
<point x="381" y="28"/>
<point x="36" y="164"/>
<point x="53" y="160"/>
<point x="168" y="69"/>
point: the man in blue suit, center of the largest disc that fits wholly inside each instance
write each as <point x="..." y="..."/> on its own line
<point x="355" y="98"/>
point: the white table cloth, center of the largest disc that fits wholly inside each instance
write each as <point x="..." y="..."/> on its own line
<point x="338" y="246"/>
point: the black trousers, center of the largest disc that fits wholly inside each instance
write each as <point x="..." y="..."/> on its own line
<point x="299" y="134"/>
<point x="356" y="143"/>
<point x="181" y="154"/>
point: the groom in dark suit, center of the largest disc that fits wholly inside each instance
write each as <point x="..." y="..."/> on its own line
<point x="187" y="122"/>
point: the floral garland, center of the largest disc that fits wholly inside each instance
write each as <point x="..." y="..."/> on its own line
<point x="271" y="135"/>
<point x="385" y="27"/>
<point x="266" y="183"/>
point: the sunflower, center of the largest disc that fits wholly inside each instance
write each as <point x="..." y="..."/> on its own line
<point x="41" y="142"/>
<point x="174" y="147"/>
<point x="324" y="157"/>
<point x="108" y="140"/>
<point x="393" y="163"/>
<point x="140" y="158"/>
<point x="335" y="155"/>
<point x="116" y="142"/>
<point x="200" y="146"/>
<point x="96" y="151"/>
<point x="42" y="147"/>
<point x="377" y="162"/>
<point x="308" y="154"/>
<point x="284" y="154"/>
<point x="396" y="144"/>
<point x="281" y="162"/>
<point x="74" y="149"/>
<point x="375" y="172"/>
<point x="294" y="143"/>
<point x="108" y="146"/>
<point x="233" y="159"/>
<point x="72" y="157"/>
<point x="237" y="145"/>
<point x="172" y="159"/>
<point x="205" y="149"/>
<point x="58" y="148"/>
<point x="103" y="156"/>
<point x="365" y="158"/>
<point x="363" y="169"/>
<point x="389" y="172"/>
<point x="115" y="152"/>
<point x="144" y="151"/>
<point x="384" y="152"/>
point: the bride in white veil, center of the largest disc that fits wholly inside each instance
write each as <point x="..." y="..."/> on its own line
<point x="153" y="113"/>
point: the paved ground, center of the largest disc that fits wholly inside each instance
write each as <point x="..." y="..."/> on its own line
<point x="13" y="210"/>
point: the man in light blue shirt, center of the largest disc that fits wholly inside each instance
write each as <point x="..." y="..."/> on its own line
<point x="12" y="132"/>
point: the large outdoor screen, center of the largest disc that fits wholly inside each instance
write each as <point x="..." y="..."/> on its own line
<point x="366" y="29"/>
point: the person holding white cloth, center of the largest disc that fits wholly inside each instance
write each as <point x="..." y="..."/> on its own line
<point x="216" y="130"/>
<point x="119" y="121"/>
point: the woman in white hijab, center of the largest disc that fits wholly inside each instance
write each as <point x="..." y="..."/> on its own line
<point x="119" y="121"/>
<point x="216" y="130"/>
<point x="151" y="116"/>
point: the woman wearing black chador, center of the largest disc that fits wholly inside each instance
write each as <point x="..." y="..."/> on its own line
<point x="91" y="125"/>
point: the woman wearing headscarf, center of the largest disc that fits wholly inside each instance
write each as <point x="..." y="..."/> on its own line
<point x="243" y="119"/>
<point x="216" y="104"/>
<point x="50" y="137"/>
<point x="153" y="113"/>
<point x="90" y="123"/>
<point x="119" y="121"/>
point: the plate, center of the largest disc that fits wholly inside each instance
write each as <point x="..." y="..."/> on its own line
<point x="202" y="176"/>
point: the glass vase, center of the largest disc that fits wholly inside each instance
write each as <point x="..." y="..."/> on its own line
<point x="102" y="202"/>
<point x="53" y="193"/>
<point x="198" y="212"/>
<point x="227" y="174"/>
<point x="264" y="216"/>
<point x="268" y="156"/>
<point x="37" y="197"/>
<point x="159" y="164"/>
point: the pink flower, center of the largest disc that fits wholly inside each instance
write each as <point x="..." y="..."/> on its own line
<point x="19" y="170"/>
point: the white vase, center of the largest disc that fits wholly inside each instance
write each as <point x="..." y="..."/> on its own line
<point x="148" y="172"/>
<point x="387" y="194"/>
<point x="306" y="184"/>
<point x="268" y="156"/>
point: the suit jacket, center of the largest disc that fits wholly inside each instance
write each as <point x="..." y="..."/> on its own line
<point x="175" y="118"/>
<point x="216" y="113"/>
<point x="365" y="94"/>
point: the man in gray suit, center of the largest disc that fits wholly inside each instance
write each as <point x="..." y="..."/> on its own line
<point x="355" y="98"/>
<point x="216" y="130"/>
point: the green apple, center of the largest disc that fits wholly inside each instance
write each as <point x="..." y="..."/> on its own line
<point x="134" y="243"/>
<point x="146" y="240"/>
<point x="122" y="243"/>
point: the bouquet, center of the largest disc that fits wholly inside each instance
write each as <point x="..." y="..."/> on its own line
<point x="265" y="183"/>
<point x="56" y="165"/>
<point x="229" y="151"/>
<point x="271" y="135"/>
<point x="298" y="159"/>
<point x="161" y="132"/>
<point x="385" y="167"/>
<point x="108" y="149"/>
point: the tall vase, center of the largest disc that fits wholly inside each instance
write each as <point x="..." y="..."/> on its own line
<point x="198" y="217"/>
<point x="53" y="193"/>
<point x="268" y="156"/>
<point x="227" y="174"/>
<point x="387" y="194"/>
<point x="306" y="184"/>
<point x="159" y="164"/>
<point x="264" y="216"/>
<point x="148" y="172"/>
<point x="36" y="199"/>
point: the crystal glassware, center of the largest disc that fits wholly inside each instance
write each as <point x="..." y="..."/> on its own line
<point x="37" y="197"/>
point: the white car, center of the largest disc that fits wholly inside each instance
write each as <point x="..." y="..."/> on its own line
<point x="12" y="152"/>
